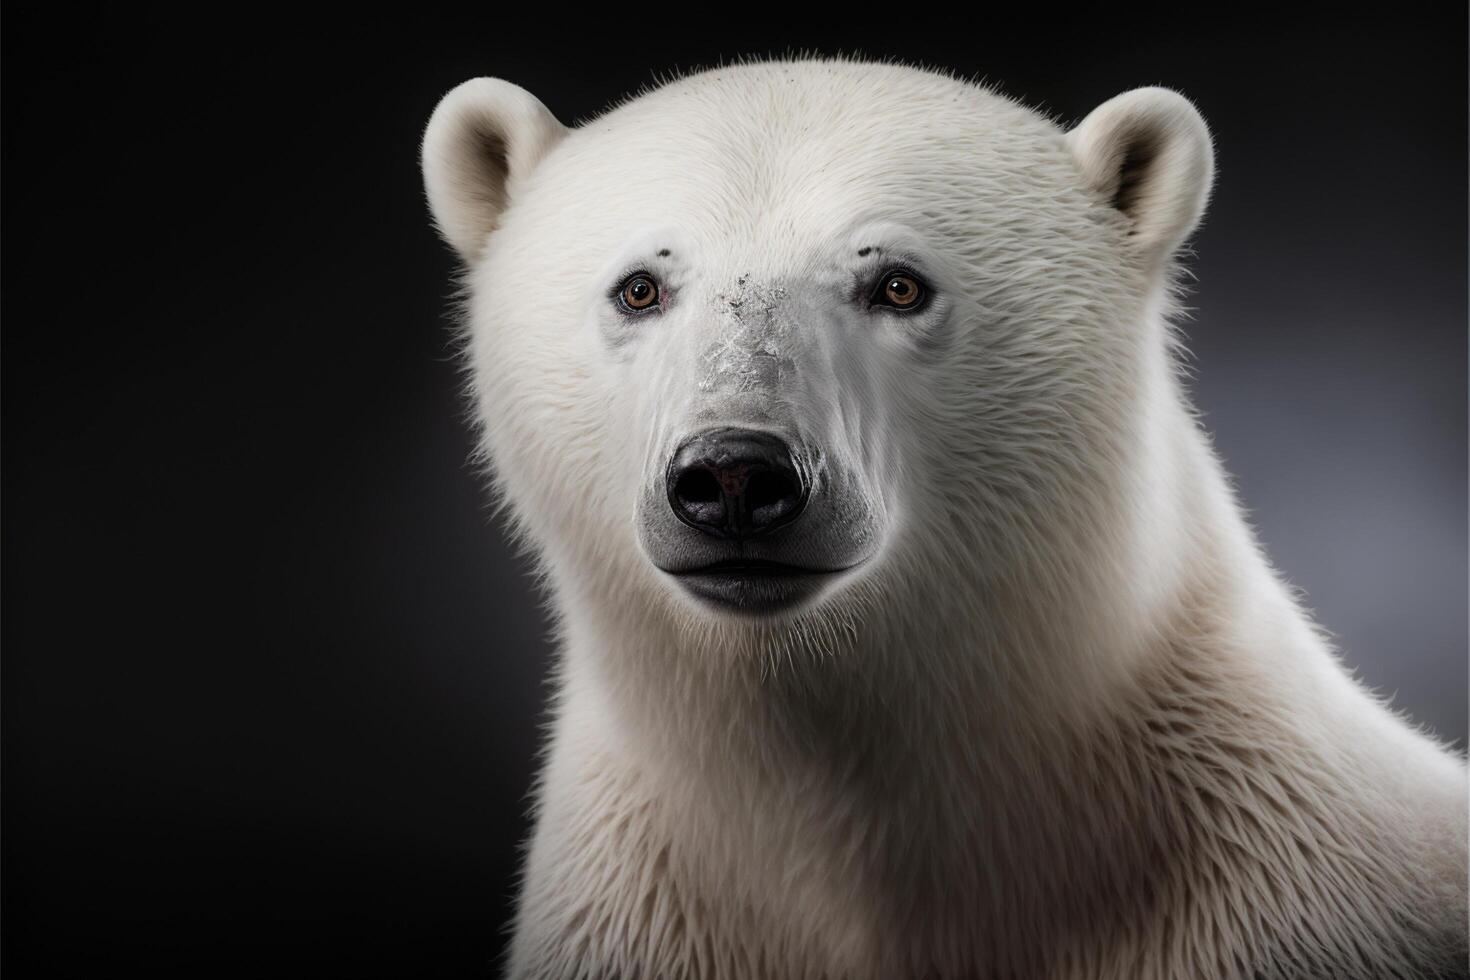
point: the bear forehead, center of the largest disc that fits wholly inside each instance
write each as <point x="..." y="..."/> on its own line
<point x="809" y="143"/>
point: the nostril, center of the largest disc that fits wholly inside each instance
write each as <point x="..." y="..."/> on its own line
<point x="697" y="493"/>
<point x="698" y="486"/>
<point x="770" y="496"/>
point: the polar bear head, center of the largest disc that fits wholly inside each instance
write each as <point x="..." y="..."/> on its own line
<point x="788" y="337"/>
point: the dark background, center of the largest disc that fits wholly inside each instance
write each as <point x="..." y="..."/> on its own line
<point x="271" y="677"/>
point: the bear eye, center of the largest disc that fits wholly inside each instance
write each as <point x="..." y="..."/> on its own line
<point x="639" y="293"/>
<point x="899" y="290"/>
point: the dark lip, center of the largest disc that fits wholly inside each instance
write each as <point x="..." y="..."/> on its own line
<point x="752" y="568"/>
<point x="753" y="586"/>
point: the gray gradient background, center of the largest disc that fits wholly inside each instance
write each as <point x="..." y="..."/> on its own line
<point x="272" y="678"/>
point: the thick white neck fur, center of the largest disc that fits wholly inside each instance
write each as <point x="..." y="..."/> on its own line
<point x="1005" y="779"/>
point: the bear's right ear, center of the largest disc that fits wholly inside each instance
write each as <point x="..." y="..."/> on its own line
<point x="1148" y="153"/>
<point x="483" y="138"/>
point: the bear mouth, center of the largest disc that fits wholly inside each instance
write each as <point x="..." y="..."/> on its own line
<point x="755" y="586"/>
<point x="753" y="567"/>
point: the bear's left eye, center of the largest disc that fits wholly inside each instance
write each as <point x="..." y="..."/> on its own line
<point x="899" y="289"/>
<point x="639" y="293"/>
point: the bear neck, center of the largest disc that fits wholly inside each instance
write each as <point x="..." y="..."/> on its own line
<point x="1029" y="761"/>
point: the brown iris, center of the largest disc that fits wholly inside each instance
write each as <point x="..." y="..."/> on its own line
<point x="901" y="291"/>
<point x="639" y="293"/>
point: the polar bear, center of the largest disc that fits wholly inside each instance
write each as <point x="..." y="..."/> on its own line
<point x="908" y="624"/>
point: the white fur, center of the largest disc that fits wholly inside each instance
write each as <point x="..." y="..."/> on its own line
<point x="1067" y="722"/>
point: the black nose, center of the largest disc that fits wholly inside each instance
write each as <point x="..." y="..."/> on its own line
<point x="736" y="483"/>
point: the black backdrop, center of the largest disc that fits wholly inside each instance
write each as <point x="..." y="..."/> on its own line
<point x="272" y="678"/>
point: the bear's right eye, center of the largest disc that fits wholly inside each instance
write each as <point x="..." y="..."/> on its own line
<point x="639" y="293"/>
<point x="899" y="290"/>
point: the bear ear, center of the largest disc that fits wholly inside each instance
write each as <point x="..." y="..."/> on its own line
<point x="1148" y="153"/>
<point x="483" y="138"/>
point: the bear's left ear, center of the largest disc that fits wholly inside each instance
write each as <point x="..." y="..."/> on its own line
<point x="482" y="140"/>
<point x="1148" y="153"/>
